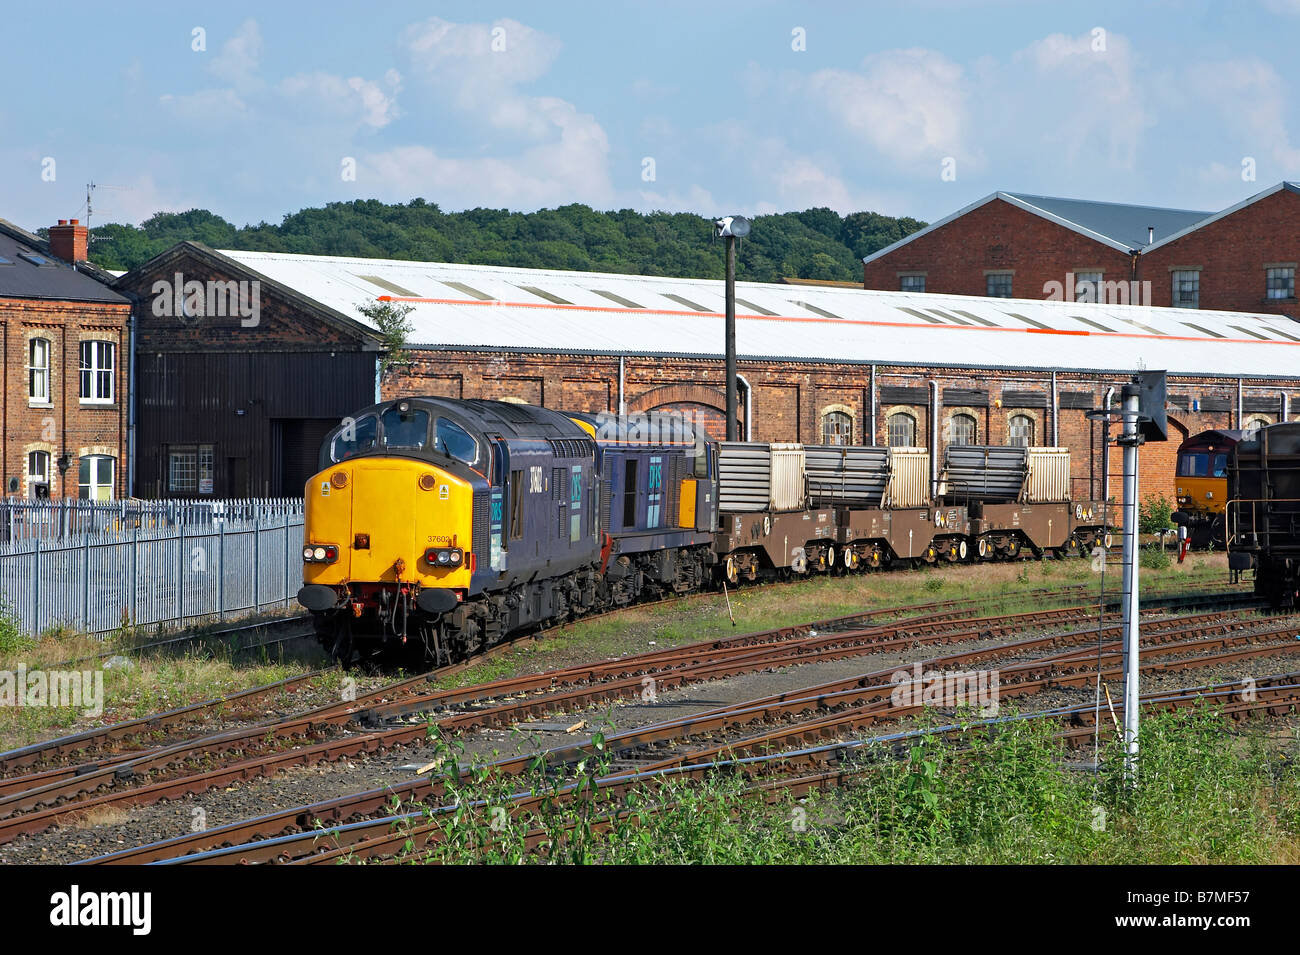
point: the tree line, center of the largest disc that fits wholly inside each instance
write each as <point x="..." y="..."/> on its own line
<point x="813" y="244"/>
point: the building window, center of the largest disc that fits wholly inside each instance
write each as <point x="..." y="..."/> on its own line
<point x="38" y="474"/>
<point x="902" y="430"/>
<point x="1253" y="425"/>
<point x="95" y="478"/>
<point x="1187" y="288"/>
<point x="97" y="372"/>
<point x="190" y="469"/>
<point x="1087" y="286"/>
<point x="911" y="283"/>
<point x="1021" y="430"/>
<point x="1280" y="282"/>
<point x="962" y="429"/>
<point x="837" y="428"/>
<point x="997" y="285"/>
<point x="38" y="370"/>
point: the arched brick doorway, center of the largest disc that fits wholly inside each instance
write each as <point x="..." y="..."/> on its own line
<point x="699" y="402"/>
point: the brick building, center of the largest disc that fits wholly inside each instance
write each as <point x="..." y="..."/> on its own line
<point x="239" y="377"/>
<point x="817" y="364"/>
<point x="1011" y="244"/>
<point x="63" y="415"/>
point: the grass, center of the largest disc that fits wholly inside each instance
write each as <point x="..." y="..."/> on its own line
<point x="144" y="684"/>
<point x="1204" y="796"/>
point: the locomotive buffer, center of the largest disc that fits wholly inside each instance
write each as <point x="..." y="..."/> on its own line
<point x="1143" y="416"/>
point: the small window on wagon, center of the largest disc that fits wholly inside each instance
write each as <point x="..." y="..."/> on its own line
<point x="455" y="442"/>
<point x="352" y="440"/>
<point x="409" y="429"/>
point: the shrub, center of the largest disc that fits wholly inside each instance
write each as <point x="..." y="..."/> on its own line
<point x="1155" y="514"/>
<point x="1153" y="558"/>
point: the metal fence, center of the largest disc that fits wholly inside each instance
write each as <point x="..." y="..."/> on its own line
<point x="64" y="518"/>
<point x="152" y="571"/>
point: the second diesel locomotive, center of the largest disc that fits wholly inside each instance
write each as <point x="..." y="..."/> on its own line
<point x="436" y="528"/>
<point x="1202" y="484"/>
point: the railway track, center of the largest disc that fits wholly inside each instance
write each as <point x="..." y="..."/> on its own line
<point x="817" y="713"/>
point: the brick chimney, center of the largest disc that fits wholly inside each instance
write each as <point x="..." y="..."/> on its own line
<point x="68" y="241"/>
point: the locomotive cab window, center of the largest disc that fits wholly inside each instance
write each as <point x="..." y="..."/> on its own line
<point x="1193" y="465"/>
<point x="350" y="441"/>
<point x="405" y="429"/>
<point x="455" y="442"/>
<point x="516" y="505"/>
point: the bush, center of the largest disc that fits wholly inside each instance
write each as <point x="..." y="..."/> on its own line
<point x="12" y="638"/>
<point x="1155" y="514"/>
<point x="1153" y="558"/>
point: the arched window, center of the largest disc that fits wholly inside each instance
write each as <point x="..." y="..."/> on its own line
<point x="962" y="429"/>
<point x="1253" y="425"/>
<point x="1021" y="430"/>
<point x="837" y="428"/>
<point x="902" y="430"/>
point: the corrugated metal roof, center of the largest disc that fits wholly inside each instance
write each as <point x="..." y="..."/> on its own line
<point x="477" y="307"/>
<point x="1121" y="227"/>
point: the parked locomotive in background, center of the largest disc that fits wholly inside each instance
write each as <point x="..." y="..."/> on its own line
<point x="436" y="528"/>
<point x="1202" y="484"/>
<point x="1263" y="511"/>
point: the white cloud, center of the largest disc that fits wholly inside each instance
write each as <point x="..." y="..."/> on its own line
<point x="908" y="105"/>
<point x="358" y="100"/>
<point x="1082" y="94"/>
<point x="239" y="58"/>
<point x="1251" y="102"/>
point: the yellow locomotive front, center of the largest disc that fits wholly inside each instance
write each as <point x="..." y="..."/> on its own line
<point x="388" y="535"/>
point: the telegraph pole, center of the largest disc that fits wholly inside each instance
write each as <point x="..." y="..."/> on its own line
<point x="1129" y="440"/>
<point x="731" y="228"/>
<point x="731" y="337"/>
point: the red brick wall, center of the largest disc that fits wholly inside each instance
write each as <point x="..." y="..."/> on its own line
<point x="789" y="401"/>
<point x="996" y="236"/>
<point x="64" y="425"/>
<point x="1231" y="254"/>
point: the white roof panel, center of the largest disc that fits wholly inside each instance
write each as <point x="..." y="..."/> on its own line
<point x="490" y="307"/>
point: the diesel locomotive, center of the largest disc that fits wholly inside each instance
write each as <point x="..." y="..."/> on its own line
<point x="1202" y="485"/>
<point x="436" y="528"/>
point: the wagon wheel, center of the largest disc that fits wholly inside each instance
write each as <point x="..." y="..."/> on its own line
<point x="983" y="548"/>
<point x="733" y="575"/>
<point x="850" y="559"/>
<point x="931" y="554"/>
<point x="963" y="550"/>
<point x="1013" y="547"/>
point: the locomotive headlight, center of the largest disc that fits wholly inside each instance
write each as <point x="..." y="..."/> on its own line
<point x="318" y="553"/>
<point x="339" y="479"/>
<point x="454" y="557"/>
<point x="306" y="553"/>
<point x="444" y="557"/>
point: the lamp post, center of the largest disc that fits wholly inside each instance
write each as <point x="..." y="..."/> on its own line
<point x="731" y="228"/>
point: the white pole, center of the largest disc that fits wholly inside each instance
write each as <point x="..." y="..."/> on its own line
<point x="1129" y="440"/>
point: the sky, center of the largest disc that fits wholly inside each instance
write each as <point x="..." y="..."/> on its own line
<point x="256" y="110"/>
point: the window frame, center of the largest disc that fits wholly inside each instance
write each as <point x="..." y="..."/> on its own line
<point x="94" y="483"/>
<point x="94" y="372"/>
<point x="1094" y="284"/>
<point x="33" y="474"/>
<point x="1289" y="271"/>
<point x="834" y="415"/>
<point x="1179" y="275"/>
<point x="990" y="277"/>
<point x="889" y="429"/>
<point x="952" y="429"/>
<point x="1015" y="440"/>
<point x="44" y="370"/>
<point x="905" y="277"/>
